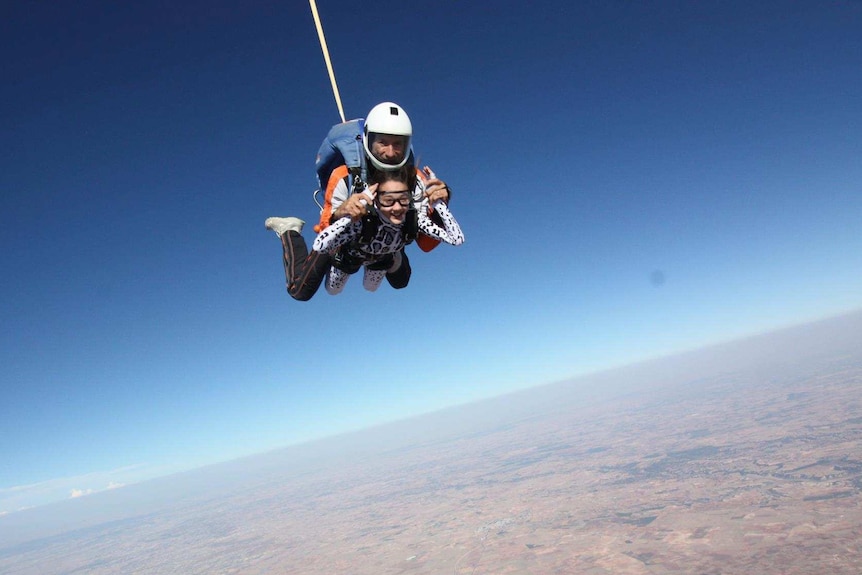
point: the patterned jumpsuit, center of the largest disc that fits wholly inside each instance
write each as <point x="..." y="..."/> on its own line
<point x="388" y="240"/>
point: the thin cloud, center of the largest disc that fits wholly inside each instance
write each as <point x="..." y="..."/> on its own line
<point x="80" y="493"/>
<point x="20" y="497"/>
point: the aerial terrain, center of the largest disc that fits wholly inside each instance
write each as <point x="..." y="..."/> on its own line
<point x="740" y="458"/>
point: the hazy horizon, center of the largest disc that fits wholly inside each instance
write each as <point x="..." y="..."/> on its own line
<point x="779" y="350"/>
<point x="671" y="461"/>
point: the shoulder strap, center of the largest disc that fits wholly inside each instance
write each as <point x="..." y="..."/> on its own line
<point x="338" y="174"/>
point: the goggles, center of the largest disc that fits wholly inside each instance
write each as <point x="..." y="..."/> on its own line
<point x="389" y="199"/>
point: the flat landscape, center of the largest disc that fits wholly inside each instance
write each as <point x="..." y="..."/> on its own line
<point x="744" y="458"/>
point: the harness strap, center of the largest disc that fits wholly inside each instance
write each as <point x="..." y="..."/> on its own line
<point x="338" y="174"/>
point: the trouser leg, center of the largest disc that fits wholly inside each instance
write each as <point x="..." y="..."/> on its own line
<point x="336" y="280"/>
<point x="303" y="271"/>
<point x="400" y="277"/>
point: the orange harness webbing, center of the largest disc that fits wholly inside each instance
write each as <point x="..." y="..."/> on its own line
<point x="425" y="243"/>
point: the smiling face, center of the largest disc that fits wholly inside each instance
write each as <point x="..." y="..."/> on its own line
<point x="387" y="148"/>
<point x="392" y="201"/>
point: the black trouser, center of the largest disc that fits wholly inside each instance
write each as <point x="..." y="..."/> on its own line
<point x="400" y="277"/>
<point x="303" y="271"/>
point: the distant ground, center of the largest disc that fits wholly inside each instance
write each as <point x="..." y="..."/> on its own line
<point x="742" y="458"/>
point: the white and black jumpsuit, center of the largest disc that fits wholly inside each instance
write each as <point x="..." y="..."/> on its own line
<point x="384" y="248"/>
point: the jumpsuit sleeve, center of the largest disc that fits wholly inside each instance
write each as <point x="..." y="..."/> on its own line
<point x="451" y="232"/>
<point x="339" y="194"/>
<point x="341" y="232"/>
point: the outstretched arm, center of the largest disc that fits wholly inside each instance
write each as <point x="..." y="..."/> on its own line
<point x="336" y="235"/>
<point x="355" y="206"/>
<point x="451" y="232"/>
<point x="434" y="188"/>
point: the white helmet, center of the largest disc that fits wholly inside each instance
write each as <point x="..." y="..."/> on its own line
<point x="387" y="118"/>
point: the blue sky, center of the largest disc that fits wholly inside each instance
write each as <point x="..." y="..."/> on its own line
<point x="633" y="179"/>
